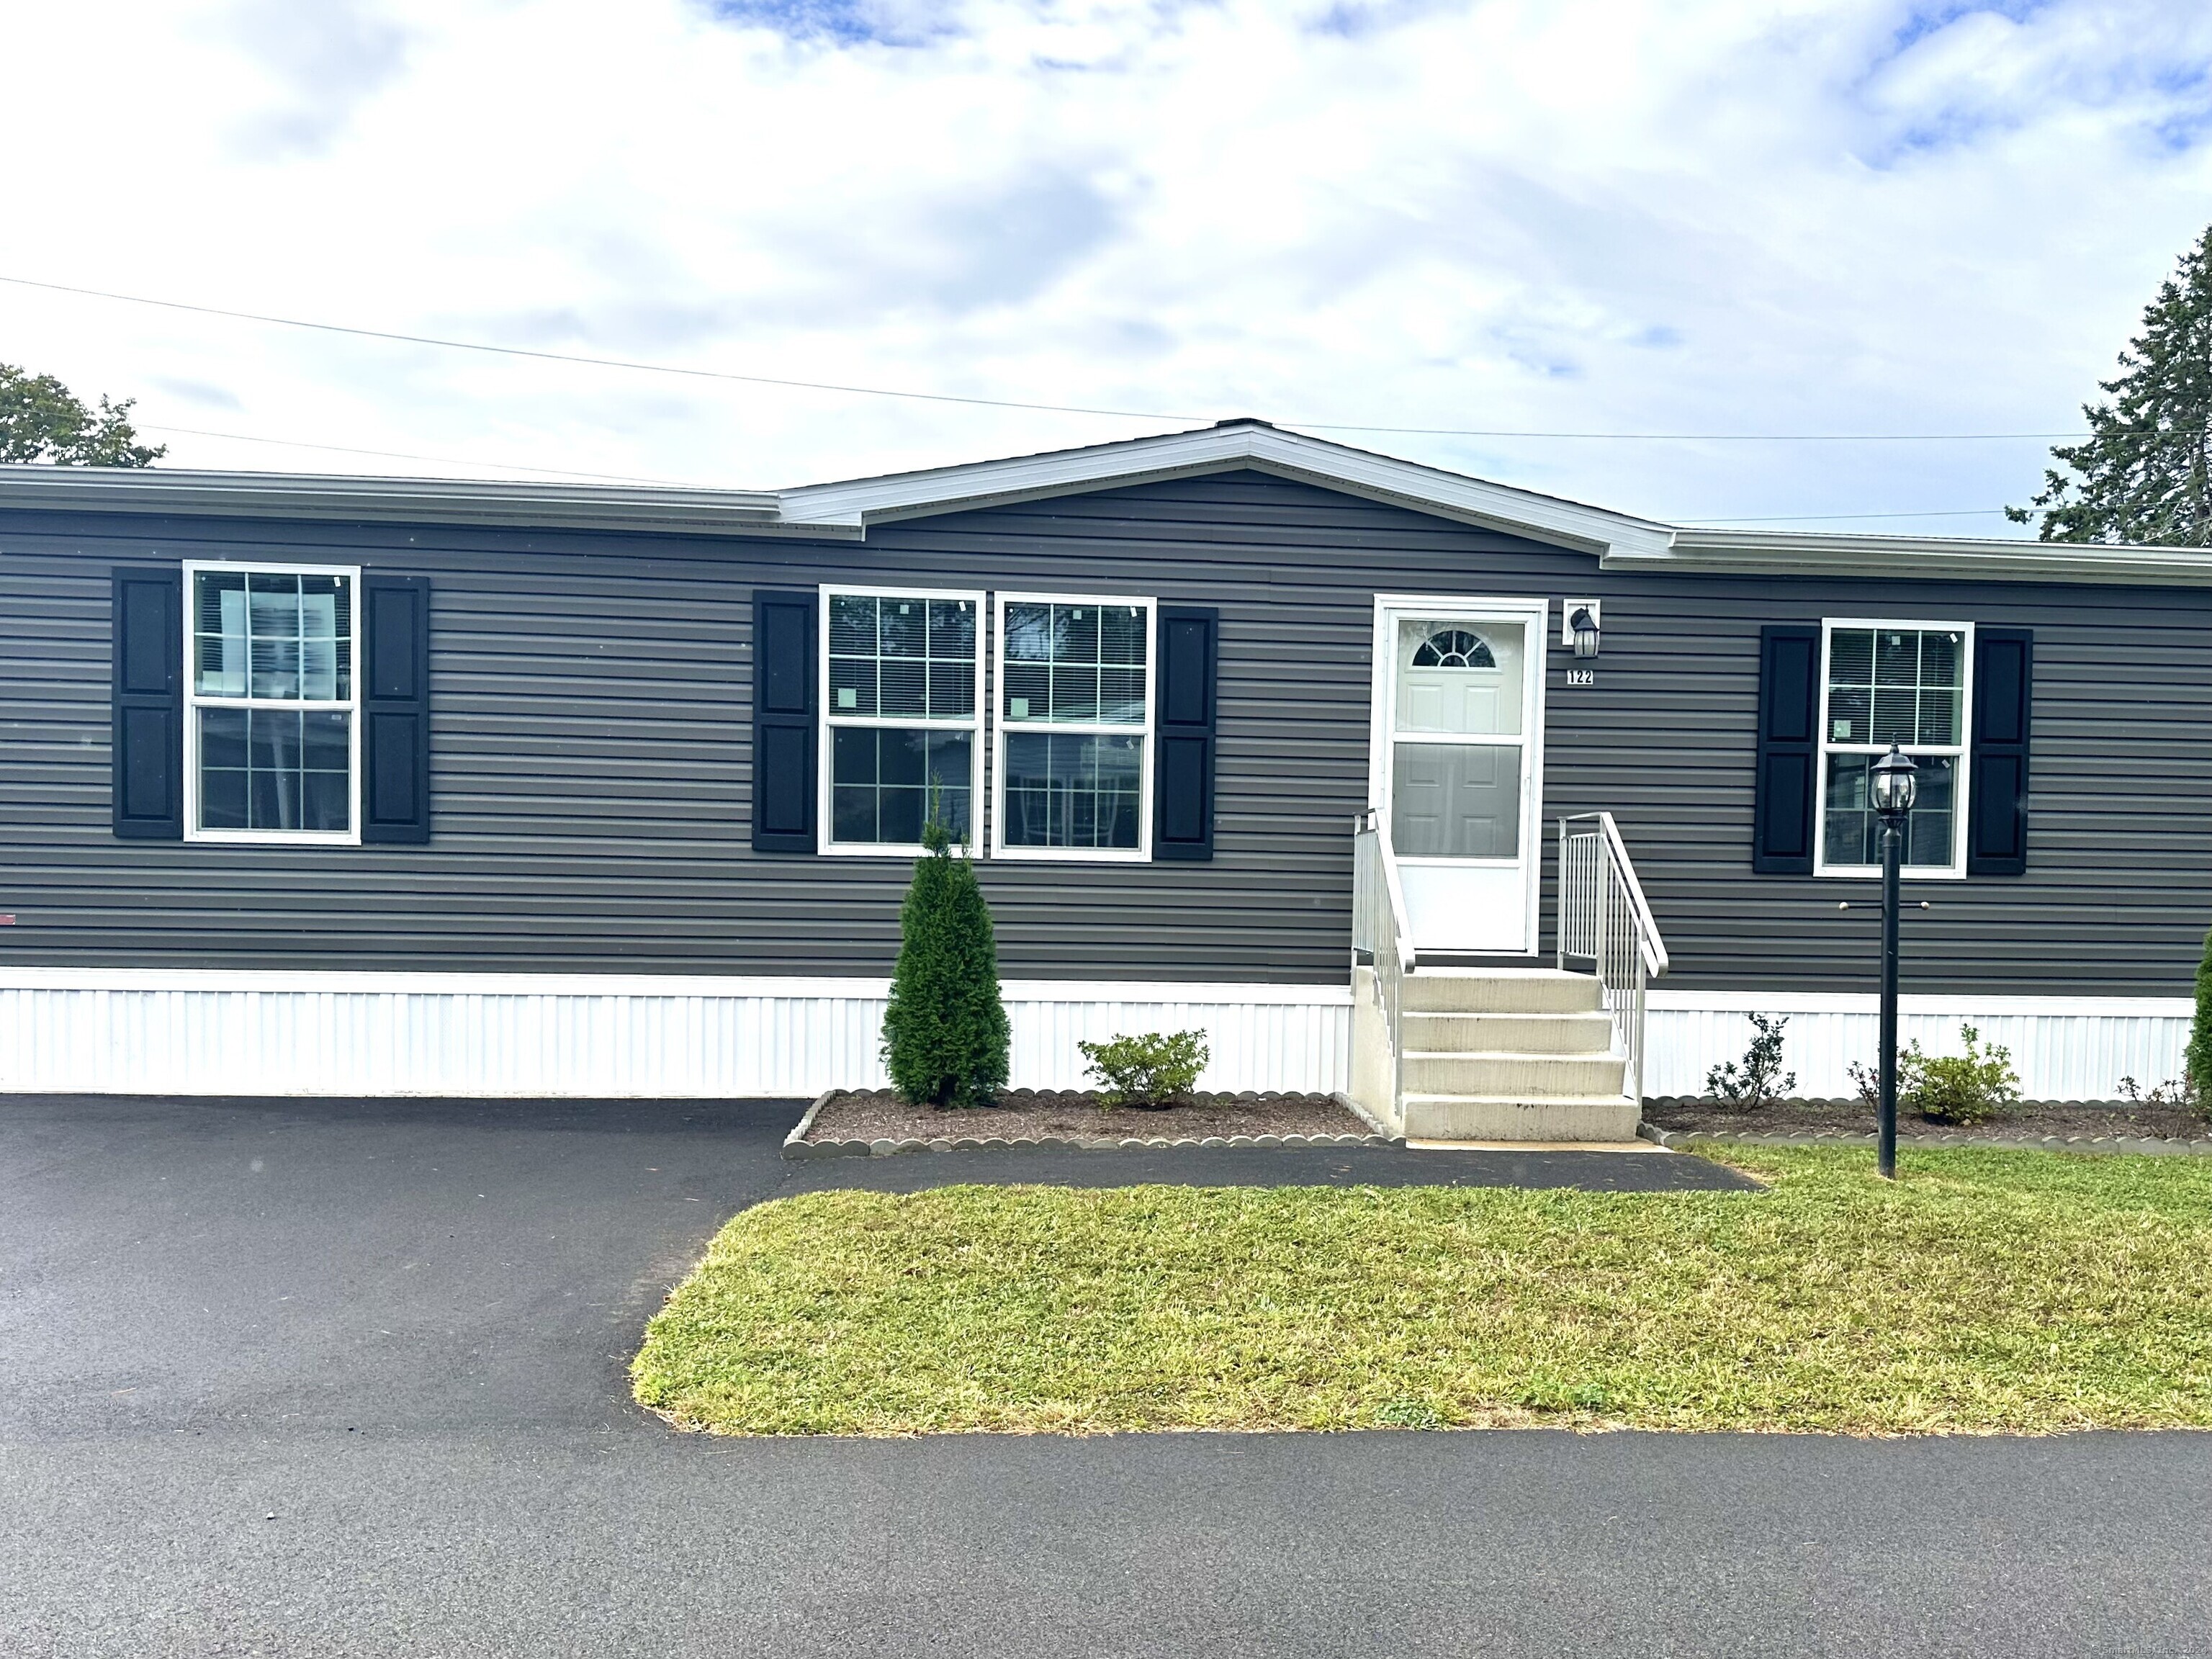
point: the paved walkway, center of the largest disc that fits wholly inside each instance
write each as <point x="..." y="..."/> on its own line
<point x="338" y="1378"/>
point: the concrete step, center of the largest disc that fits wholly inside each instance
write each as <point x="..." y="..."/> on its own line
<point x="1509" y="1034"/>
<point x="1468" y="1117"/>
<point x="1538" y="1076"/>
<point x="1499" y="991"/>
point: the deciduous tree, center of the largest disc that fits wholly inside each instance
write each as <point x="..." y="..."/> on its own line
<point x="41" y="420"/>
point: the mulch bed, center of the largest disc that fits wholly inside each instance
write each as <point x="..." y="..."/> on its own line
<point x="2029" y="1121"/>
<point x="1076" y="1114"/>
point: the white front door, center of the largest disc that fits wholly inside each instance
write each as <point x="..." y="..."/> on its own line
<point x="1458" y="765"/>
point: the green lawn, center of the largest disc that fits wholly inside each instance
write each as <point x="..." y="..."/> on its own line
<point x="2021" y="1291"/>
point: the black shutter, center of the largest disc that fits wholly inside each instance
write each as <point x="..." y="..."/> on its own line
<point x="147" y="795"/>
<point x="1997" y="827"/>
<point x="1183" y="776"/>
<point x="1784" y="815"/>
<point x="395" y="710"/>
<point x="783" y="722"/>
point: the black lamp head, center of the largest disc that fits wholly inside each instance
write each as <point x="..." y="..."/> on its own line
<point x="1894" y="783"/>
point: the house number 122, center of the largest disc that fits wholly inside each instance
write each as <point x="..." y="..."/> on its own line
<point x="1582" y="676"/>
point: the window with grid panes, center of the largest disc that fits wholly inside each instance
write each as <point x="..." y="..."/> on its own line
<point x="1893" y="683"/>
<point x="271" y="690"/>
<point x="900" y="716"/>
<point x="1075" y="718"/>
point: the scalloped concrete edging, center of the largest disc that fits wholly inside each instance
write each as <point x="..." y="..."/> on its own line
<point x="797" y="1146"/>
<point x="1376" y="1126"/>
<point x="2200" y="1146"/>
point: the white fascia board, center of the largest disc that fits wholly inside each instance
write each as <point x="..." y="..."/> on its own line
<point x="866" y="502"/>
<point x="524" y="505"/>
<point x="1932" y="558"/>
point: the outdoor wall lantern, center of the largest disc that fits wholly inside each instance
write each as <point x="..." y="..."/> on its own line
<point x="1580" y="631"/>
<point x="1894" y="785"/>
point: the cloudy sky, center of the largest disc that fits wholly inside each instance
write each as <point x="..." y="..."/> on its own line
<point x="1491" y="216"/>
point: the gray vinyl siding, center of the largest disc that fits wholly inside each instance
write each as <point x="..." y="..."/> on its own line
<point x="592" y="783"/>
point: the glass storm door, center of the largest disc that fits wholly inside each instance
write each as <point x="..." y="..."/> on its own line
<point x="1461" y="696"/>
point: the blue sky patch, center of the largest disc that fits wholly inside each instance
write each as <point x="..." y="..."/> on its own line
<point x="1921" y="22"/>
<point x="847" y="22"/>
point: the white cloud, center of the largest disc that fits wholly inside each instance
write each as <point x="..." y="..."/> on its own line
<point x="1678" y="215"/>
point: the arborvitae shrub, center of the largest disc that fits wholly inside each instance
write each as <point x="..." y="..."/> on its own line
<point x="944" y="1033"/>
<point x="2197" y="1064"/>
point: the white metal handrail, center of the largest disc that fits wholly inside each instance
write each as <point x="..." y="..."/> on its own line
<point x="1382" y="939"/>
<point x="1605" y="921"/>
<point x="1377" y="863"/>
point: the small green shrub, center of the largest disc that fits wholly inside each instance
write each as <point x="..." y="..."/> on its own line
<point x="2175" y="1092"/>
<point x="1149" y="1070"/>
<point x="1868" y="1081"/>
<point x="1760" y="1077"/>
<point x="945" y="1034"/>
<point x="1969" y="1088"/>
<point x="1954" y="1089"/>
<point x="2196" y="1065"/>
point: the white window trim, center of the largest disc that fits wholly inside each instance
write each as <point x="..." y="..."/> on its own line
<point x="1142" y="853"/>
<point x="829" y="720"/>
<point x="1956" y="870"/>
<point x="349" y="705"/>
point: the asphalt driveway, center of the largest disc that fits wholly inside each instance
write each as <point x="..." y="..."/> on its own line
<point x="342" y="1378"/>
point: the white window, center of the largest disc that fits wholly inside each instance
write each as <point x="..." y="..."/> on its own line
<point x="1074" y="730"/>
<point x="1908" y="684"/>
<point x="271" y="734"/>
<point x="901" y="694"/>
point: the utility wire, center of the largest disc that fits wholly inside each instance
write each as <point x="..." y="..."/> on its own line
<point x="625" y="478"/>
<point x="1008" y="403"/>
<point x="594" y="362"/>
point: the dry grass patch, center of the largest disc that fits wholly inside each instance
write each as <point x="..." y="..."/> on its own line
<point x="1986" y="1292"/>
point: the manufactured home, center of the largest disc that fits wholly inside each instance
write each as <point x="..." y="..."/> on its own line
<point x="1498" y="811"/>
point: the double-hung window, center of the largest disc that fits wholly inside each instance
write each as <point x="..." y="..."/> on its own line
<point x="1907" y="683"/>
<point x="1075" y="698"/>
<point x="902" y="692"/>
<point x="272" y="721"/>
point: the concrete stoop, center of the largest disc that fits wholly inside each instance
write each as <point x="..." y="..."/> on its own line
<point x="1512" y="1055"/>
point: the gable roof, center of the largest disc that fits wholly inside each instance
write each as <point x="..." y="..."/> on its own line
<point x="1225" y="447"/>
<point x="846" y="510"/>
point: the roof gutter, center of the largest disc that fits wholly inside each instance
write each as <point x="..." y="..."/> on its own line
<point x="524" y="505"/>
<point x="1926" y="558"/>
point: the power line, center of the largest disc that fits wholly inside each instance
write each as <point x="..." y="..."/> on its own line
<point x="594" y="362"/>
<point x="624" y="477"/>
<point x="1008" y="403"/>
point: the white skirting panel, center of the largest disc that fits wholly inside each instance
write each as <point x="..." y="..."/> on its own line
<point x="2063" y="1048"/>
<point x="155" y="1031"/>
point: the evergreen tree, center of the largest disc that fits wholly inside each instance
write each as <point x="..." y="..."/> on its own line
<point x="2197" y="1061"/>
<point x="41" y="421"/>
<point x="945" y="1035"/>
<point x="2143" y="476"/>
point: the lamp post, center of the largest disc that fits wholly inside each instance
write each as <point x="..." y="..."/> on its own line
<point x="1891" y="783"/>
